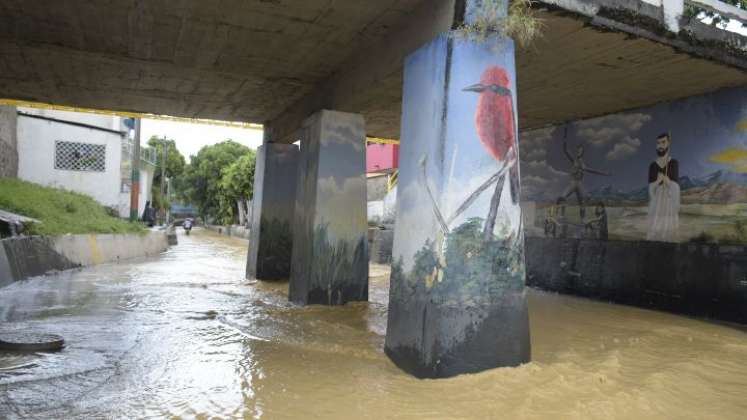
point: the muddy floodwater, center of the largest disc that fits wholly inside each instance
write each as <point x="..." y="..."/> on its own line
<point x="185" y="336"/>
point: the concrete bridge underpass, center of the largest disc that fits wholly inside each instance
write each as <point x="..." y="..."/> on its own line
<point x="331" y="73"/>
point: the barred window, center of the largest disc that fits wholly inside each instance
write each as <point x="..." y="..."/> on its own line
<point x="71" y="156"/>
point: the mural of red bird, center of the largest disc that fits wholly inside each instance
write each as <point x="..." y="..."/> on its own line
<point x="494" y="122"/>
<point x="495" y="112"/>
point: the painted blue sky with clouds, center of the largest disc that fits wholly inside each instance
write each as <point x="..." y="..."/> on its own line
<point x="624" y="144"/>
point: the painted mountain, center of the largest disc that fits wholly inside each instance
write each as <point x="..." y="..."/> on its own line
<point x="720" y="187"/>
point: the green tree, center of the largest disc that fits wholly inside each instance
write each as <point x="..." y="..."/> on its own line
<point x="237" y="183"/>
<point x="175" y="164"/>
<point x="202" y="179"/>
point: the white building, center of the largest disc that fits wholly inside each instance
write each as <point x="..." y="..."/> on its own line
<point x="82" y="152"/>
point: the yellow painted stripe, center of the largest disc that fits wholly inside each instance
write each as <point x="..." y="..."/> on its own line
<point x="381" y="141"/>
<point x="127" y="114"/>
<point x="393" y="180"/>
<point x="95" y="253"/>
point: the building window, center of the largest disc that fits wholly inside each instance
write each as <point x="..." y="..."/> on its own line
<point x="71" y="156"/>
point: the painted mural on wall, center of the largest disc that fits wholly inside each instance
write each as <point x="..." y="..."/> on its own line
<point x="271" y="236"/>
<point x="674" y="172"/>
<point x="457" y="279"/>
<point x="330" y="254"/>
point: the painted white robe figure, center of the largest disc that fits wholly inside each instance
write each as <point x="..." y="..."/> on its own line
<point x="664" y="195"/>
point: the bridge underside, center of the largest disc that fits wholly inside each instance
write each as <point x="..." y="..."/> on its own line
<point x="329" y="73"/>
<point x="258" y="62"/>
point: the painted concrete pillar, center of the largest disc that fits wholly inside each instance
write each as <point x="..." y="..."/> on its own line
<point x="271" y="237"/>
<point x="8" y="142"/>
<point x="457" y="300"/>
<point x="330" y="250"/>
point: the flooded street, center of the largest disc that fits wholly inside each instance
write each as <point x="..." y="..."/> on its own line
<point x="185" y="336"/>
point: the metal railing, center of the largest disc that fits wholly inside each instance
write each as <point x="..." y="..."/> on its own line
<point x="723" y="9"/>
<point x="149" y="155"/>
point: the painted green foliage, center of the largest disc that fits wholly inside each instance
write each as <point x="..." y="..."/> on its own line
<point x="274" y="254"/>
<point x="338" y="266"/>
<point x="472" y="267"/>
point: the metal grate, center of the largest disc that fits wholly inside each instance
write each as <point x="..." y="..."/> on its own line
<point x="71" y="156"/>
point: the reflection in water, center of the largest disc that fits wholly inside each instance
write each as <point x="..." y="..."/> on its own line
<point x="184" y="335"/>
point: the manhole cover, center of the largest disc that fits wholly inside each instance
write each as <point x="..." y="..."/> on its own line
<point x="25" y="341"/>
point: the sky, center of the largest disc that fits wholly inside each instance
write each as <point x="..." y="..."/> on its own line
<point x="190" y="137"/>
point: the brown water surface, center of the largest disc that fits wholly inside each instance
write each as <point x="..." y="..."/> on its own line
<point x="184" y="336"/>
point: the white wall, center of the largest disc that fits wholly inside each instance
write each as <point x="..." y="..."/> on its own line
<point x="146" y="181"/>
<point x="36" y="152"/>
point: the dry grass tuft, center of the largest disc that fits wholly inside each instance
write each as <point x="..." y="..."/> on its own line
<point x="520" y="24"/>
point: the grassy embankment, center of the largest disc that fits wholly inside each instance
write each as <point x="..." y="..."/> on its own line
<point x="59" y="211"/>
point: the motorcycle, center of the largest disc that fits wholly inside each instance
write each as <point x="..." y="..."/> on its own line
<point x="187" y="226"/>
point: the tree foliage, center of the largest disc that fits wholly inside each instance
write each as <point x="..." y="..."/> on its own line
<point x="175" y="164"/>
<point x="216" y="177"/>
<point x="237" y="183"/>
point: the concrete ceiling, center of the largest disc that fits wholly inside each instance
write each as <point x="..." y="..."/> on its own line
<point x="244" y="60"/>
<point x="250" y="60"/>
<point x="577" y="71"/>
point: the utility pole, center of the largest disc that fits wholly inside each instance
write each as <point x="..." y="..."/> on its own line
<point x="135" y="179"/>
<point x="164" y="153"/>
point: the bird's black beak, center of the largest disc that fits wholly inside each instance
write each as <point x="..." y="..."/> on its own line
<point x="479" y="87"/>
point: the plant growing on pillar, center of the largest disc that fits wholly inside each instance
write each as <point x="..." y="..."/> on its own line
<point x="491" y="18"/>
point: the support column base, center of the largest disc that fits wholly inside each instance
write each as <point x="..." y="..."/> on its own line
<point x="496" y="335"/>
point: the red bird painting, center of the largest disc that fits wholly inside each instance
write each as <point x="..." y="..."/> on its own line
<point x="494" y="122"/>
<point x="495" y="112"/>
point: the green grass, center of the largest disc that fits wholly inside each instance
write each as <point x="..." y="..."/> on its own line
<point x="59" y="211"/>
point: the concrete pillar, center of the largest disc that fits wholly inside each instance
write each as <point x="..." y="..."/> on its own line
<point x="457" y="302"/>
<point x="330" y="250"/>
<point x="271" y="238"/>
<point x="672" y="11"/>
<point x="8" y="142"/>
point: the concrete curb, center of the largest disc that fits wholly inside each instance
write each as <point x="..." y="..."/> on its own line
<point x="29" y="256"/>
<point x="235" y="231"/>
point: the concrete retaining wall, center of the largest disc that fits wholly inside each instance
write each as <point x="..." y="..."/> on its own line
<point x="29" y="256"/>
<point x="380" y="243"/>
<point x="376" y="187"/>
<point x="704" y="280"/>
<point x="236" y="231"/>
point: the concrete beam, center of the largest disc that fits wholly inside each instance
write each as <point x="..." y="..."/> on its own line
<point x="370" y="65"/>
<point x="663" y="24"/>
<point x="350" y="88"/>
<point x="723" y="9"/>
